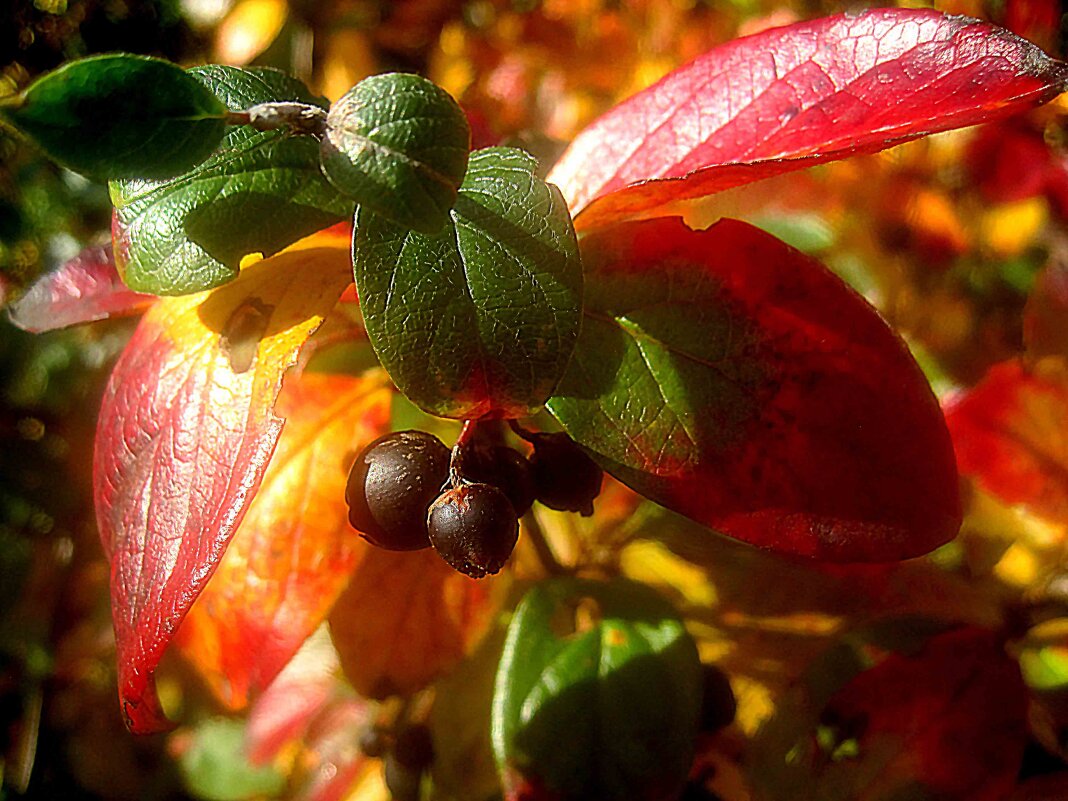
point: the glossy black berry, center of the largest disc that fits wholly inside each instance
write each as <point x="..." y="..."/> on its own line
<point x="474" y="528"/>
<point x="505" y="468"/>
<point x="565" y="477"/>
<point x="391" y="486"/>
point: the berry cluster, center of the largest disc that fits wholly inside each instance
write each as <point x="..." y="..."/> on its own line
<point x="407" y="491"/>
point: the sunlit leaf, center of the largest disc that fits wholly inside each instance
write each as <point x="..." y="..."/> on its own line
<point x="597" y="695"/>
<point x="258" y="192"/>
<point x="791" y="97"/>
<point x="294" y="551"/>
<point x="737" y="381"/>
<point x="185" y="432"/>
<point x="82" y="290"/>
<point x="481" y="318"/>
<point x="1010" y="432"/>
<point x="119" y="116"/>
<point x="405" y="619"/>
<point x="398" y="145"/>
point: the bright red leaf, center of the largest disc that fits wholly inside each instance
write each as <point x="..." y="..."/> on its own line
<point x="294" y="551"/>
<point x="733" y="379"/>
<point x="1009" y="434"/>
<point x="82" y="290"/>
<point x="795" y="96"/>
<point x="185" y="432"/>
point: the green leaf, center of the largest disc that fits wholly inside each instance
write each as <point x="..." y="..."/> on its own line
<point x="259" y="191"/>
<point x="481" y="317"/>
<point x="215" y="766"/>
<point x="609" y="668"/>
<point x="117" y="115"/>
<point x="398" y="145"/>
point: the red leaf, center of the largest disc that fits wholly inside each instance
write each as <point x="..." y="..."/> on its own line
<point x="733" y="379"/>
<point x="85" y="289"/>
<point x="184" y="436"/>
<point x="792" y="97"/>
<point x="1009" y="434"/>
<point x="950" y="720"/>
<point x="295" y="550"/>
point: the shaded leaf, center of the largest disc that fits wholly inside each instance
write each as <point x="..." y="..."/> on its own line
<point x="1008" y="432"/>
<point x="185" y="433"/>
<point x="119" y="116"/>
<point x="735" y="380"/>
<point x="791" y="97"/>
<point x="82" y="290"/>
<point x="294" y="551"/>
<point x="258" y="192"/>
<point x="405" y="619"/>
<point x="610" y="667"/>
<point x="481" y="318"/>
<point x="398" y="145"/>
<point x="945" y="721"/>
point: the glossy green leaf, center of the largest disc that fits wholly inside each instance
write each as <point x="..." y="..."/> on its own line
<point x="481" y="317"/>
<point x="118" y="115"/>
<point x="611" y="669"/>
<point x="258" y="192"/>
<point x="398" y="145"/>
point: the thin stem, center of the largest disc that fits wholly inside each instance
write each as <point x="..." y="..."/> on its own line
<point x="541" y="545"/>
<point x="467" y="433"/>
<point x="297" y="118"/>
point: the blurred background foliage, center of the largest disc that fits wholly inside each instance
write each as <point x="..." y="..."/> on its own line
<point x="949" y="237"/>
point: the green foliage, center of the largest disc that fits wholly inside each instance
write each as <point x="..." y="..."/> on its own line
<point x="118" y="115"/>
<point x="259" y="191"/>
<point x="398" y="145"/>
<point x="608" y="669"/>
<point x="482" y="316"/>
<point x="216" y="768"/>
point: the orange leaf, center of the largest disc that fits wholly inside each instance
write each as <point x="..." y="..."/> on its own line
<point x="185" y="433"/>
<point x="295" y="550"/>
<point x="405" y="619"/>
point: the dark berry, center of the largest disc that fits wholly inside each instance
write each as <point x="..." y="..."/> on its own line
<point x="374" y="742"/>
<point x="473" y="528"/>
<point x="565" y="477"/>
<point x="391" y="486"/>
<point x="414" y="747"/>
<point x="502" y="467"/>
<point x="402" y="782"/>
<point x="719" y="705"/>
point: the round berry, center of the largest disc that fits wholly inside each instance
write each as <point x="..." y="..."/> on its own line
<point x="505" y="468"/>
<point x="391" y="486"/>
<point x="565" y="477"/>
<point x="474" y="528"/>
